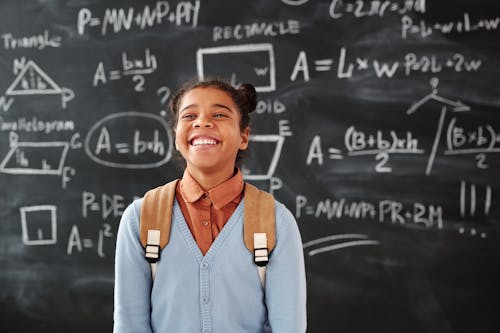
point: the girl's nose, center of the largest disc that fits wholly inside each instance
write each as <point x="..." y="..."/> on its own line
<point x="203" y="121"/>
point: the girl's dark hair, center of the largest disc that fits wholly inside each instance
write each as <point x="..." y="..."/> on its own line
<point x="244" y="96"/>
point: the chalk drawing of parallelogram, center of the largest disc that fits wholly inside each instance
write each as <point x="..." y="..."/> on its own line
<point x="252" y="63"/>
<point x="261" y="145"/>
<point x="35" y="158"/>
<point x="32" y="80"/>
<point x="39" y="225"/>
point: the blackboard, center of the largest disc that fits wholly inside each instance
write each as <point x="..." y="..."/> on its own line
<point x="378" y="125"/>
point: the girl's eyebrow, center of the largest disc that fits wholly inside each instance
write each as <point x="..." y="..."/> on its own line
<point x="188" y="106"/>
<point x="223" y="106"/>
<point x="216" y="105"/>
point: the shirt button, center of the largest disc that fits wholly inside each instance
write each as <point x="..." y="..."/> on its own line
<point x="205" y="300"/>
<point x="205" y="223"/>
<point x="204" y="265"/>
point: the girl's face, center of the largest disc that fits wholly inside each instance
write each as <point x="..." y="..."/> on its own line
<point x="208" y="133"/>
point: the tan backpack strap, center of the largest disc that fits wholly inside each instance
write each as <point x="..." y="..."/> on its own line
<point x="156" y="218"/>
<point x="259" y="218"/>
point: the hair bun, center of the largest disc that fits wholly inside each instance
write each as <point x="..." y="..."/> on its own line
<point x="248" y="97"/>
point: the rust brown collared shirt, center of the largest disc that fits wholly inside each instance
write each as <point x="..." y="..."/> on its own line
<point x="206" y="212"/>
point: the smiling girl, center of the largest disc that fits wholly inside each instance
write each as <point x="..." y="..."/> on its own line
<point x="206" y="280"/>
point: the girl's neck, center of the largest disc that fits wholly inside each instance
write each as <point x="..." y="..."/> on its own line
<point x="209" y="179"/>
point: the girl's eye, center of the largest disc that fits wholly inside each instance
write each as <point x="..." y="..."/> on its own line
<point x="220" y="115"/>
<point x="187" y="116"/>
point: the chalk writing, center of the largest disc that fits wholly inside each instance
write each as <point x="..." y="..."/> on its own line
<point x="269" y="106"/>
<point x="470" y="207"/>
<point x="120" y="19"/>
<point x="34" y="125"/>
<point x="361" y="8"/>
<point x="268" y="29"/>
<point x="38" y="41"/>
<point x="425" y="29"/>
<point x="479" y="140"/>
<point x="382" y="69"/>
<point x="433" y="64"/>
<point x="108" y="205"/>
<point x="383" y="211"/>
<point x="107" y="145"/>
<point x="341" y="241"/>
<point x="135" y="67"/>
<point x="78" y="244"/>
<point x="359" y="143"/>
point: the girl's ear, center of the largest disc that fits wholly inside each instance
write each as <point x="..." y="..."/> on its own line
<point x="245" y="134"/>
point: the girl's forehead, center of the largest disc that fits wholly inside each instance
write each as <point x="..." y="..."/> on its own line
<point x="206" y="94"/>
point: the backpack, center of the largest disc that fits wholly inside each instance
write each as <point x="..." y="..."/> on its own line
<point x="259" y="226"/>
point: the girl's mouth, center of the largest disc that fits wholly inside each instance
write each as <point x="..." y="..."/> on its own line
<point x="198" y="141"/>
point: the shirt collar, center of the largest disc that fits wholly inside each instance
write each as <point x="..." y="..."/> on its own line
<point x="220" y="195"/>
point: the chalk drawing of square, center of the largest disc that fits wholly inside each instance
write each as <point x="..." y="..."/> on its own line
<point x="49" y="158"/>
<point x="252" y="63"/>
<point x="266" y="151"/>
<point x="39" y="225"/>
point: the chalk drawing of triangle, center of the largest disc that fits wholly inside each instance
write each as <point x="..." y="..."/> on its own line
<point x="32" y="80"/>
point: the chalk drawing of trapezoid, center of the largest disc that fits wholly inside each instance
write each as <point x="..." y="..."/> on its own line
<point x="35" y="158"/>
<point x="263" y="146"/>
<point x="32" y="80"/>
<point x="39" y="225"/>
<point x="242" y="63"/>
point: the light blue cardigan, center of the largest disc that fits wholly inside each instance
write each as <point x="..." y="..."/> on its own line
<point x="219" y="292"/>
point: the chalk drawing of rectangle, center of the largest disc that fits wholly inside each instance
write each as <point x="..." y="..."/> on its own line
<point x="270" y="140"/>
<point x="42" y="217"/>
<point x="233" y="50"/>
<point x="37" y="147"/>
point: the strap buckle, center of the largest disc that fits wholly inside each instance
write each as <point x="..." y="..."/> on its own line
<point x="260" y="252"/>
<point x="261" y="256"/>
<point x="153" y="246"/>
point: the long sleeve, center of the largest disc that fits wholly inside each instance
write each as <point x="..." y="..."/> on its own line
<point x="132" y="310"/>
<point x="285" y="278"/>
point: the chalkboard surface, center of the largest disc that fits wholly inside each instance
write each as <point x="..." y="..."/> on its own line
<point x="378" y="125"/>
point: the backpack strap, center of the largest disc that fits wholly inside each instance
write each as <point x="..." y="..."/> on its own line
<point x="156" y="217"/>
<point x="259" y="227"/>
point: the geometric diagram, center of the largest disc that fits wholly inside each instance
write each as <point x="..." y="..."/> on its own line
<point x="473" y="199"/>
<point x="361" y="240"/>
<point x="32" y="80"/>
<point x="35" y="158"/>
<point x="456" y="106"/>
<point x="130" y="140"/>
<point x="265" y="152"/>
<point x="39" y="225"/>
<point x="242" y="63"/>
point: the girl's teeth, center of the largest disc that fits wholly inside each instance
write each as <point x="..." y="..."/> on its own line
<point x="204" y="142"/>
